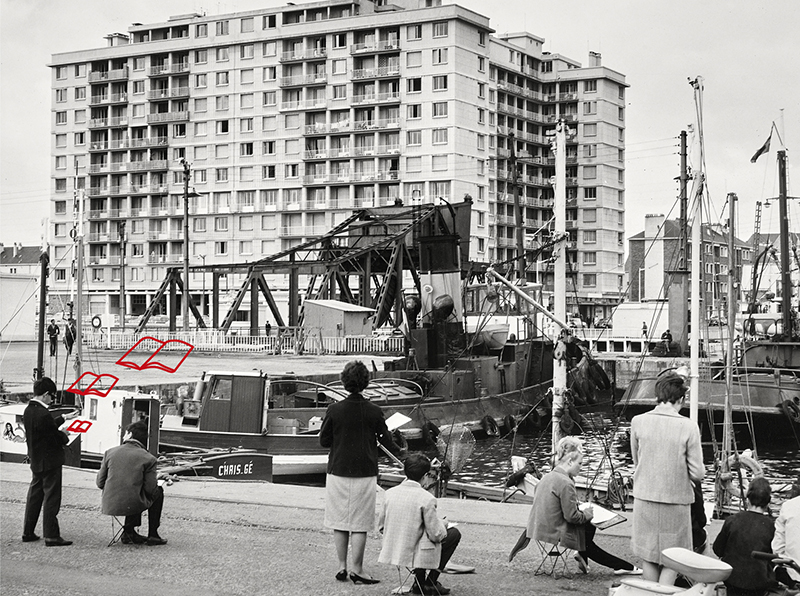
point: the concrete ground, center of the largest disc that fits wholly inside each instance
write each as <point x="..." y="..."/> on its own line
<point x="255" y="538"/>
<point x="18" y="359"/>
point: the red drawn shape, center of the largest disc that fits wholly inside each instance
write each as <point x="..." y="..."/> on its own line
<point x="100" y="391"/>
<point x="151" y="362"/>
<point x="79" y="426"/>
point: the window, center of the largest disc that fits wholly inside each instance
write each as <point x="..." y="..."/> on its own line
<point x="270" y="98"/>
<point x="220" y="248"/>
<point x="590" y="130"/>
<point x="589" y="107"/>
<point x="268" y="172"/>
<point x="61" y="186"/>
<point x="80" y="138"/>
<point x="269" y="21"/>
<point x="589" y="215"/>
<point x="268" y="148"/>
<point x="138" y="63"/>
<point x="61" y="72"/>
<point x="339" y="91"/>
<point x="440" y="109"/>
<point x="414" y="59"/>
<point x="247" y="76"/>
<point x="245" y="247"/>
<point x="621" y="92"/>
<point x="440" y="56"/>
<point x="621" y="113"/>
<point x="621" y="135"/>
<point x="440" y="83"/>
<point x="61" y="141"/>
<point x="269" y="74"/>
<point x="492" y="95"/>
<point x="80" y="116"/>
<point x="201" y="30"/>
<point x="292" y="121"/>
<point x="590" y="86"/>
<point x="222" y="151"/>
<point x="439" y="136"/>
<point x="247" y="25"/>
<point x="80" y="93"/>
<point x="246" y="100"/>
<point x="222" y="78"/>
<point x="98" y="275"/>
<point x="179" y="130"/>
<point x="200" y="129"/>
<point x="138" y="110"/>
<point x="269" y="48"/>
<point x="590" y="258"/>
<point x="223" y="27"/>
<point x="414" y="111"/>
<point x="61" y="117"/>
<point x="222" y="54"/>
<point x="481" y="167"/>
<point x="414" y="32"/>
<point x="269" y="198"/>
<point x="481" y="116"/>
<point x="80" y="71"/>
<point x="200" y="81"/>
<point x="481" y="64"/>
<point x="60" y="229"/>
<point x="200" y="56"/>
<point x="589" y="280"/>
<point x="481" y="90"/>
<point x="200" y="176"/>
<point x="246" y="221"/>
<point x="269" y="123"/>
<point x="138" y="87"/>
<point x="590" y="194"/>
<point x="221" y="174"/>
<point x="414" y="164"/>
<point x="440" y="29"/>
<point x="200" y="104"/>
<point x="246" y="125"/>
<point x="339" y="66"/>
<point x="292" y="170"/>
<point x="61" y="162"/>
<point x="222" y="103"/>
<point x="440" y="189"/>
<point x="590" y="150"/>
<point x="61" y="275"/>
<point x="481" y="142"/>
<point x="439" y="162"/>
<point x="221" y="224"/>
<point x="246" y="149"/>
<point x="199" y="224"/>
<point x="223" y="126"/>
<point x="589" y="236"/>
<point x="414" y="137"/>
<point x="414" y="85"/>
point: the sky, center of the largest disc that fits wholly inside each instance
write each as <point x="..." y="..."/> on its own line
<point x="747" y="52"/>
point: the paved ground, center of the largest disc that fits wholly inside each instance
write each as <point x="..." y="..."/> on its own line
<point x="248" y="538"/>
<point x="18" y="359"/>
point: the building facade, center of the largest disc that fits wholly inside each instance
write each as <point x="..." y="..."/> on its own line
<point x="291" y="117"/>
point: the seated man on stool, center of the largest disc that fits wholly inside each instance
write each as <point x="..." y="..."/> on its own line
<point x="127" y="477"/>
<point x="413" y="534"/>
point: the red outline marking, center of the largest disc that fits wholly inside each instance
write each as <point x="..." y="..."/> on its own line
<point x="89" y="391"/>
<point x="149" y="363"/>
<point x="79" y="426"/>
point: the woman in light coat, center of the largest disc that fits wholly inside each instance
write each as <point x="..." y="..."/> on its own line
<point x="668" y="458"/>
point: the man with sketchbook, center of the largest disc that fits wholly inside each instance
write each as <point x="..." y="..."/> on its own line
<point x="556" y="517"/>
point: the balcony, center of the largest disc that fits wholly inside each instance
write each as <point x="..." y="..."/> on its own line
<point x="164" y="259"/>
<point x="315" y="179"/>
<point x="98" y="260"/>
<point x="98" y="76"/>
<point x="291" y="231"/>
<point x="567" y="97"/>
<point x="552" y="118"/>
<point x="387" y="175"/>
<point x="388" y="97"/>
<point x="99" y="237"/>
<point x="376" y="73"/>
<point x="167" y="117"/>
<point x="507" y="242"/>
<point x="98" y="168"/>
<point x="368" y="151"/>
<point x="299" y="80"/>
<point x="98" y="146"/>
<point x="98" y="123"/>
<point x="392" y="149"/>
<point x="118" y="213"/>
<point x="98" y="214"/>
<point x="97" y="191"/>
<point x="384" y="45"/>
<point x="342" y="177"/>
<point x="316" y="154"/>
<point x="536" y="180"/>
<point x="339" y="152"/>
<point x="117" y="121"/>
<point x="303" y="54"/>
<point x="342" y="126"/>
<point x="168" y="69"/>
<point x="540" y="203"/>
<point x="96" y="100"/>
<point x="148" y="142"/>
<point x="152" y="164"/>
<point x="119" y="189"/>
<point x="304" y="104"/>
<point x="316" y="129"/>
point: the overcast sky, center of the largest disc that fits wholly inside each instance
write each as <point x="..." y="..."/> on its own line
<point x="747" y="51"/>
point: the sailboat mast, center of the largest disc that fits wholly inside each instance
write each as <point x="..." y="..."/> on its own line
<point x="79" y="290"/>
<point x="560" y="274"/>
<point x="786" y="277"/>
<point x="728" y="417"/>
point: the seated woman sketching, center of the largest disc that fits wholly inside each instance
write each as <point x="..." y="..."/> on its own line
<point x="555" y="517"/>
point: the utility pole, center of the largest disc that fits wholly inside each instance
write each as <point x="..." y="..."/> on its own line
<point x="122" y="275"/>
<point x="517" y="211"/>
<point x="78" y="346"/>
<point x="44" y="259"/>
<point x="185" y="301"/>
<point x="727" y="429"/>
<point x="560" y="275"/>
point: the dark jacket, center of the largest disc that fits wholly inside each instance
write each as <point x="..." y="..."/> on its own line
<point x="128" y="479"/>
<point x="351" y="429"/>
<point x="45" y="441"/>
<point x="555" y="517"/>
<point x="741" y="534"/>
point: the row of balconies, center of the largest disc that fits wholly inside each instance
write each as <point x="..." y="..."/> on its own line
<point x="560" y="97"/>
<point x="128" y="166"/>
<point x="307" y="79"/>
<point x="97" y="76"/>
<point x="376" y="73"/>
<point x="529" y="93"/>
<point x="167" y="117"/>
<point x="347" y="177"/>
<point x="127" y="143"/>
<point x="504" y="130"/>
<point x="386" y="45"/>
<point x="347" y="126"/>
<point x="389" y="96"/>
<point x="95" y="100"/>
<point x="168" y="93"/>
<point x="303" y="54"/>
<point x="123" y="189"/>
<point x="167" y="69"/>
<point x="108" y="122"/>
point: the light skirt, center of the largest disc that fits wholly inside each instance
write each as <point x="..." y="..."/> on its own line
<point x="657" y="526"/>
<point x="350" y="503"/>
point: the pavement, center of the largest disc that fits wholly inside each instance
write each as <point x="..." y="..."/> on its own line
<point x="18" y="359"/>
<point x="256" y="538"/>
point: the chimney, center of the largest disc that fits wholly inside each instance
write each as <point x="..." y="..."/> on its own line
<point x="16" y="250"/>
<point x="595" y="59"/>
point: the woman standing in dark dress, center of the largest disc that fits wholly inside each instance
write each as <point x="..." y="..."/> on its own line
<point x="352" y="429"/>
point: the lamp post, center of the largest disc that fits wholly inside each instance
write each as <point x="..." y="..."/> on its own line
<point x="187" y="173"/>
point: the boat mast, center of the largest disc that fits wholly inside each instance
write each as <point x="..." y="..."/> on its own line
<point x="727" y="430"/>
<point x="698" y="182"/>
<point x="786" y="276"/>
<point x="560" y="276"/>
<point x="78" y="345"/>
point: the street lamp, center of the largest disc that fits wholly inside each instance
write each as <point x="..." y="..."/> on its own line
<point x="187" y="173"/>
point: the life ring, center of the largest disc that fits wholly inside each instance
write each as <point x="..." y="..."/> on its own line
<point x="744" y="461"/>
<point x="510" y="423"/>
<point x="489" y="425"/>
<point x="97" y="322"/>
<point x="792" y="411"/>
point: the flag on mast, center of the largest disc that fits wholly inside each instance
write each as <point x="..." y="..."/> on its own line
<point x="763" y="150"/>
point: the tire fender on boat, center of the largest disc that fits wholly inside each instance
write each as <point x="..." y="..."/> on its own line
<point x="489" y="425"/>
<point x="792" y="411"/>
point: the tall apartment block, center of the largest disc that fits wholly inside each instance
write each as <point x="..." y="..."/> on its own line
<point x="291" y="117"/>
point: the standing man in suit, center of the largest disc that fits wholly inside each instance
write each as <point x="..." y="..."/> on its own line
<point x="127" y="477"/>
<point x="46" y="454"/>
<point x="413" y="534"/>
<point x="53" y="332"/>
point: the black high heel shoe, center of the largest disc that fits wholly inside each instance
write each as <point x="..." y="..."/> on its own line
<point x="357" y="579"/>
<point x="342" y="575"/>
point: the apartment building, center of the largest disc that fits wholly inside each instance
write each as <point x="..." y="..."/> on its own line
<point x="293" y="116"/>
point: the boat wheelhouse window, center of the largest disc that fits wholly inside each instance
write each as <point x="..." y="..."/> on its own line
<point x="221" y="389"/>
